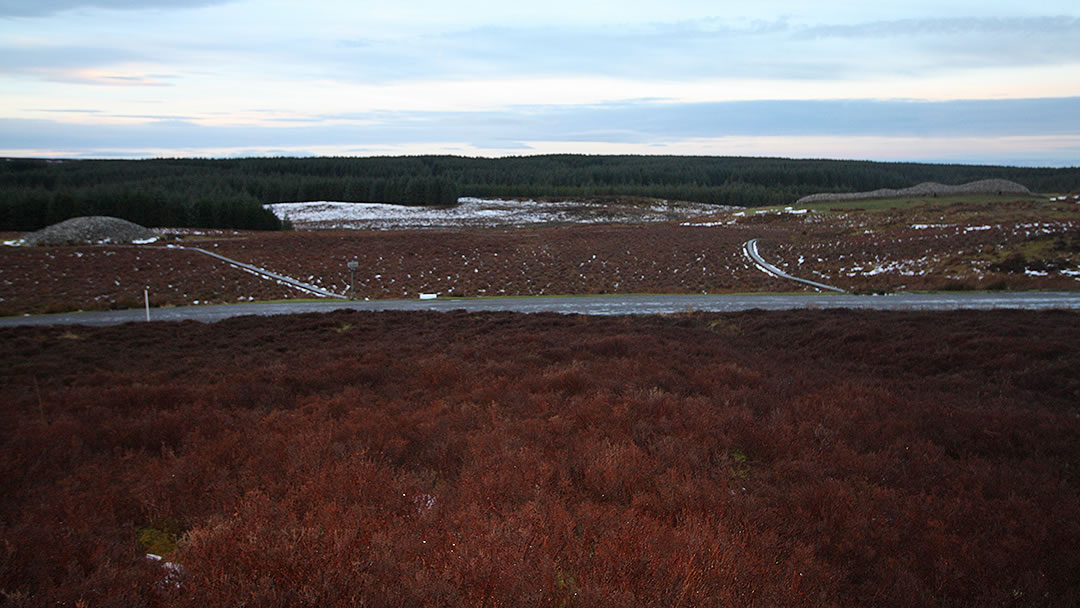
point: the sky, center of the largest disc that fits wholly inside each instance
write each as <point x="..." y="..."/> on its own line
<point x="982" y="81"/>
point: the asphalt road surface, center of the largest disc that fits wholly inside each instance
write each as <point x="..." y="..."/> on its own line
<point x="589" y="305"/>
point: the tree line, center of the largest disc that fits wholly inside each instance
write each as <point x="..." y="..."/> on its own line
<point x="230" y="193"/>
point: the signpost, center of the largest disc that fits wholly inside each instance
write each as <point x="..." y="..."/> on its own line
<point x="353" y="265"/>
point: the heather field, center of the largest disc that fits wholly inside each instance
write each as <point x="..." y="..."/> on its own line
<point x="863" y="246"/>
<point x="956" y="243"/>
<point x="812" y="458"/>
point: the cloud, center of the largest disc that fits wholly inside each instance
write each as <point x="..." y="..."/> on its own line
<point x="99" y="78"/>
<point x="341" y="44"/>
<point x="867" y="117"/>
<point x="445" y="133"/>
<point x="80" y="65"/>
<point x="645" y="122"/>
<point x="714" y="48"/>
<point x="31" y="58"/>
<point x="501" y="145"/>
<point x="633" y="123"/>
<point x="41" y="8"/>
<point x="931" y="45"/>
<point x="1060" y="26"/>
<point x="72" y="111"/>
<point x="699" y="49"/>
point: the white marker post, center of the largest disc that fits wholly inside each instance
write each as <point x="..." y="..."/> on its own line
<point x="146" y="296"/>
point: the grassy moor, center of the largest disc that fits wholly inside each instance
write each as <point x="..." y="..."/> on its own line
<point x="813" y="458"/>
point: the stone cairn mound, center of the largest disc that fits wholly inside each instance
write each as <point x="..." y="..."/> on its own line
<point x="92" y="230"/>
<point x="986" y="186"/>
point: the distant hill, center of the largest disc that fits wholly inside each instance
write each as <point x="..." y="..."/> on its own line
<point x="985" y="186"/>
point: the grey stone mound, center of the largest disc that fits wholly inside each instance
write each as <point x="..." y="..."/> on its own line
<point x="92" y="230"/>
<point x="986" y="186"/>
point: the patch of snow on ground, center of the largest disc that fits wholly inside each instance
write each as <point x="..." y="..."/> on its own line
<point x="173" y="571"/>
<point x="479" y="213"/>
<point x="901" y="267"/>
<point x="707" y="224"/>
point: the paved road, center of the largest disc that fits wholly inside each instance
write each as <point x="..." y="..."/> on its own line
<point x="750" y="250"/>
<point x="591" y="305"/>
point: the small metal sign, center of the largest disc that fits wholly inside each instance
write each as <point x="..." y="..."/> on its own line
<point x="353" y="265"/>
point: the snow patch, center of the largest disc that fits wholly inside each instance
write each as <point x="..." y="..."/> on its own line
<point x="477" y="213"/>
<point x="707" y="224"/>
<point x="173" y="570"/>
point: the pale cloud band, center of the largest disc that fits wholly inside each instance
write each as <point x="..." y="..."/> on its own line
<point x="1042" y="151"/>
<point x="663" y="127"/>
<point x="39" y="8"/>
<point x="691" y="51"/>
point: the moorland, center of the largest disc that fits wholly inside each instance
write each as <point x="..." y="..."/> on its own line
<point x="802" y="458"/>
<point x="813" y="458"/>
<point x="922" y="244"/>
<point x="627" y="228"/>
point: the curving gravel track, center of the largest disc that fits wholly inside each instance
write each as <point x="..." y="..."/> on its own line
<point x="750" y="250"/>
<point x="266" y="274"/>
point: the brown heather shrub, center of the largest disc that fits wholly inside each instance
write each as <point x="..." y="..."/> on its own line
<point x="815" y="458"/>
